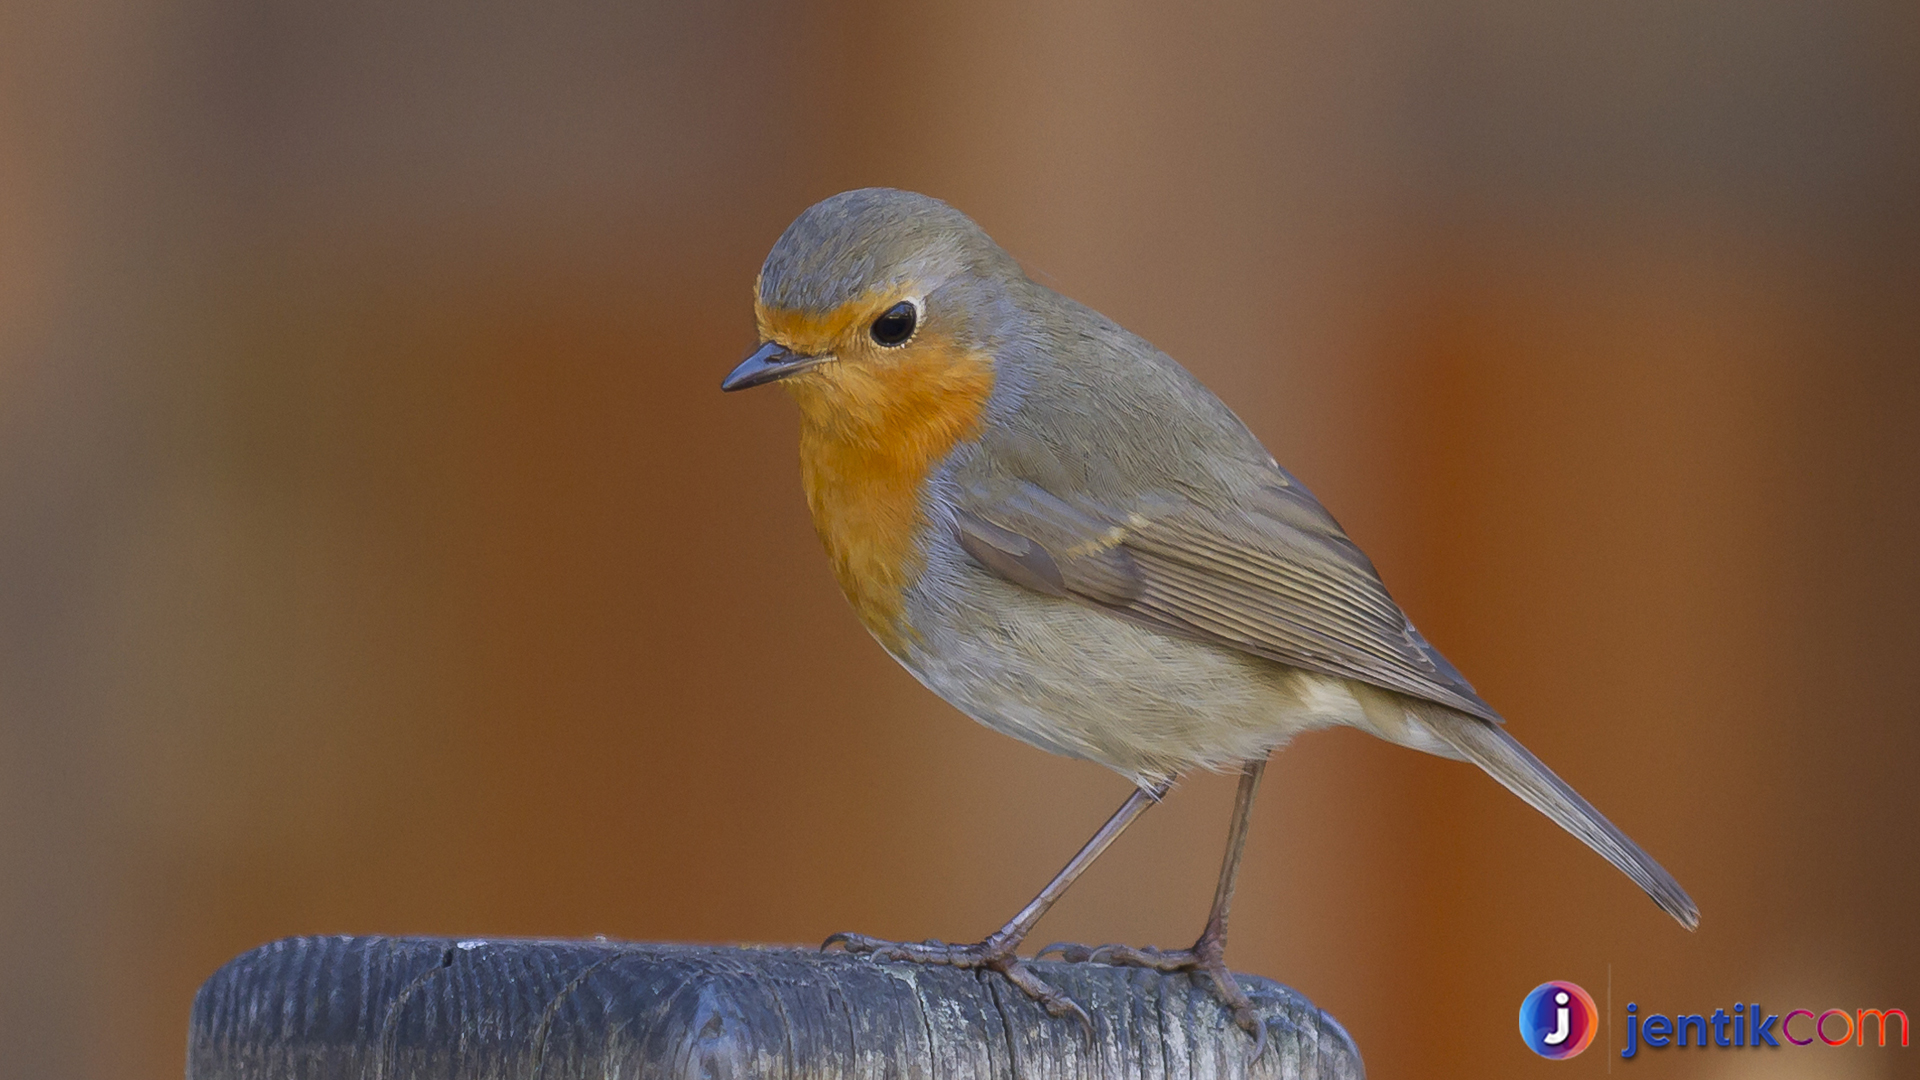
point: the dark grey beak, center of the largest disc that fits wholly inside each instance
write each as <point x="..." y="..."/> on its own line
<point x="769" y="363"/>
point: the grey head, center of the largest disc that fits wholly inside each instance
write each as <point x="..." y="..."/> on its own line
<point x="874" y="254"/>
<point x="873" y="240"/>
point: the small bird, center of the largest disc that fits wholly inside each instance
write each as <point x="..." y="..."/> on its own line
<point x="1060" y="531"/>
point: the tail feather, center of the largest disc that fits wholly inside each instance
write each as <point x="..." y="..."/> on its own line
<point x="1491" y="748"/>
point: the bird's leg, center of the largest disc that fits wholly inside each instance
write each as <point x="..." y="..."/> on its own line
<point x="1208" y="954"/>
<point x="997" y="952"/>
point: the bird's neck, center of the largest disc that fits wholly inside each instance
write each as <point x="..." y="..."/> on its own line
<point x="868" y="441"/>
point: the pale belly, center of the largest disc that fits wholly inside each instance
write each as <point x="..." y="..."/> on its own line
<point x="1074" y="680"/>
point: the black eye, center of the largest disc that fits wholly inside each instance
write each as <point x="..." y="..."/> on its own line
<point x="896" y="325"/>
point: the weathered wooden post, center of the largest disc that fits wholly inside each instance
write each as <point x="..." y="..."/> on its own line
<point x="379" y="1008"/>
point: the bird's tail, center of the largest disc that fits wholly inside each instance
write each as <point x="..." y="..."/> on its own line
<point x="1502" y="756"/>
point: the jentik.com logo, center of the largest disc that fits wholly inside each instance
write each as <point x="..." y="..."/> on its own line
<point x="1751" y="1027"/>
<point x="1558" y="1020"/>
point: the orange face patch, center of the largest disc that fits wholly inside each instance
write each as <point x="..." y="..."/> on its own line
<point x="810" y="334"/>
<point x="874" y="422"/>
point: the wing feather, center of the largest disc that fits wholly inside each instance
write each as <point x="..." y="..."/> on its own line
<point x="1274" y="577"/>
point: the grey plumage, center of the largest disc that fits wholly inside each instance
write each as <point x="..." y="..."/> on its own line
<point x="1112" y="566"/>
<point x="1504" y="759"/>
<point x="1251" y="561"/>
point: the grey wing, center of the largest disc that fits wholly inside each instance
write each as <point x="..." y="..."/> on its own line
<point x="1272" y="575"/>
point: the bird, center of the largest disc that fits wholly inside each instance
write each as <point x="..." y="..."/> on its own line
<point x="1059" y="530"/>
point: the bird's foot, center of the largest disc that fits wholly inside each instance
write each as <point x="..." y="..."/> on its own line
<point x="994" y="954"/>
<point x="1208" y="956"/>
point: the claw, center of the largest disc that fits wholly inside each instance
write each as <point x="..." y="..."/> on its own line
<point x="1080" y="1014"/>
<point x="994" y="954"/>
<point x="858" y="944"/>
<point x="1069" y="952"/>
<point x="1056" y="1003"/>
<point x="1206" y="956"/>
<point x="1239" y="1006"/>
<point x="1128" y="956"/>
<point x="1259" y="1041"/>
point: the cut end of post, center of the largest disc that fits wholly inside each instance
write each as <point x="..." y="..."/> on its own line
<point x="448" y="1009"/>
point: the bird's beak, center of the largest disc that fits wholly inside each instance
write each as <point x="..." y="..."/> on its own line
<point x="769" y="363"/>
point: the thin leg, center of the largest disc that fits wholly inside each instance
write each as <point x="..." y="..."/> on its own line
<point x="1236" y="847"/>
<point x="997" y="952"/>
<point x="1208" y="954"/>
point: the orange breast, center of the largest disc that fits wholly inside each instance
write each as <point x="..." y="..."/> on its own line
<point x="870" y="435"/>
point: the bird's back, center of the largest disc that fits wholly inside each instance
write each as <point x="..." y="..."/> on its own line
<point x="1100" y="412"/>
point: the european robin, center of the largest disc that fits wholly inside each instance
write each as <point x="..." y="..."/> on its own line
<point x="1059" y="530"/>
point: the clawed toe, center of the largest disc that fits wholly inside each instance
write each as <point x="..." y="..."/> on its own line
<point x="1069" y="952"/>
<point x="1127" y="956"/>
<point x="1206" y="957"/>
<point x="1252" y="1025"/>
<point x="1239" y="1006"/>
<point x="1055" y="1002"/>
<point x="984" y="954"/>
<point x="992" y="954"/>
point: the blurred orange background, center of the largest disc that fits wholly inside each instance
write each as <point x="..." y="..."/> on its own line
<point x="378" y="555"/>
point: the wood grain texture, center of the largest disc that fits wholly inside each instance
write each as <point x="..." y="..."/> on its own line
<point x="437" y="1009"/>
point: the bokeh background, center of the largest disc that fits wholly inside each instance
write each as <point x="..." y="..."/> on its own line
<point x="377" y="553"/>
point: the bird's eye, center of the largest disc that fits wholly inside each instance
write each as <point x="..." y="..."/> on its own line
<point x="896" y="324"/>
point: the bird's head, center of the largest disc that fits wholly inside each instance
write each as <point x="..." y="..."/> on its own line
<point x="879" y="308"/>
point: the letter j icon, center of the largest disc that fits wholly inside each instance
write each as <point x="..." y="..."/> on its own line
<point x="1558" y="1020"/>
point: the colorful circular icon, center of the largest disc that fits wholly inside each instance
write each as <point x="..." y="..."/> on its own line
<point x="1558" y="1020"/>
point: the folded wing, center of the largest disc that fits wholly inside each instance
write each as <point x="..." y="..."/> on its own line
<point x="1273" y="575"/>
